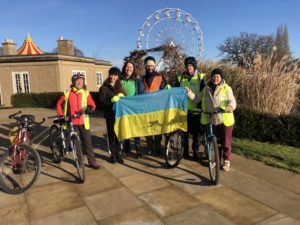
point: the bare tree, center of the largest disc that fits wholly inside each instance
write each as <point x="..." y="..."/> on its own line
<point x="281" y="43"/>
<point x="172" y="59"/>
<point x="242" y="50"/>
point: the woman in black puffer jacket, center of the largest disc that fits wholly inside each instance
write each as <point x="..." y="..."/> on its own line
<point x="112" y="86"/>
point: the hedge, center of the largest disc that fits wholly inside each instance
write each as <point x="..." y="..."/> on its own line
<point x="265" y="127"/>
<point x="43" y="100"/>
<point x="250" y="124"/>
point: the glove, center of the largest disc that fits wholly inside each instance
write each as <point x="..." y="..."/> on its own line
<point x="115" y="99"/>
<point x="89" y="110"/>
<point x="168" y="86"/>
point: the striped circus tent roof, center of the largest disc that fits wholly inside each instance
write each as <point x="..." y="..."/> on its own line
<point x="29" y="48"/>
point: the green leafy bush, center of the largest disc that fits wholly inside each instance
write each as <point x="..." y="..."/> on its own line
<point x="43" y="100"/>
<point x="264" y="127"/>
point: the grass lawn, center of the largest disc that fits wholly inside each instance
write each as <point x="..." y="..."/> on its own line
<point x="280" y="156"/>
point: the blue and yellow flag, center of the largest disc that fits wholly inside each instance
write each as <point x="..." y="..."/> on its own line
<point x="153" y="113"/>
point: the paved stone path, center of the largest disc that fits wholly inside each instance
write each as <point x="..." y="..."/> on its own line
<point x="146" y="192"/>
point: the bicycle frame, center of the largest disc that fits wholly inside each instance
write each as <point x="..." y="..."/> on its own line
<point x="23" y="137"/>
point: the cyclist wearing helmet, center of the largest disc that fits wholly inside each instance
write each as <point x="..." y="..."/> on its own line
<point x="218" y="95"/>
<point x="78" y="99"/>
<point x="151" y="81"/>
<point x="194" y="80"/>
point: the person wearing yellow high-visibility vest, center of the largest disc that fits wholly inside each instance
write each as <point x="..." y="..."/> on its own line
<point x="218" y="95"/>
<point x="195" y="81"/>
<point x="78" y="99"/>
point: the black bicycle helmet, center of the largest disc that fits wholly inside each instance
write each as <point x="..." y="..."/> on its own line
<point x="191" y="60"/>
<point x="217" y="71"/>
<point x="77" y="76"/>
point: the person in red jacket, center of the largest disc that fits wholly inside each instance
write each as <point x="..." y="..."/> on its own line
<point x="78" y="99"/>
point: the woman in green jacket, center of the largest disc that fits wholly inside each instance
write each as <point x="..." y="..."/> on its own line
<point x="129" y="82"/>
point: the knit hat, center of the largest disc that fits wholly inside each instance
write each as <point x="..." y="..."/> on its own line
<point x="115" y="71"/>
<point x="150" y="61"/>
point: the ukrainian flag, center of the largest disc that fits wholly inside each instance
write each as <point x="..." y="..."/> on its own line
<point x="153" y="113"/>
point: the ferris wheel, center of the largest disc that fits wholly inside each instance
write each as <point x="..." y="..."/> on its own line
<point x="173" y="27"/>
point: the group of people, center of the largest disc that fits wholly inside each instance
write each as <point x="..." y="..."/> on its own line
<point x="204" y="95"/>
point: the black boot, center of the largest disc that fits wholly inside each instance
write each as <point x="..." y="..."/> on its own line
<point x="119" y="159"/>
<point x="113" y="159"/>
<point x="139" y="152"/>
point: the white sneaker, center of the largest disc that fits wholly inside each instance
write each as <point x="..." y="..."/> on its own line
<point x="226" y="165"/>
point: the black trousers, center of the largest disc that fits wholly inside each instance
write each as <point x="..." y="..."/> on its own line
<point x="114" y="144"/>
<point x="85" y="136"/>
<point x="194" y="128"/>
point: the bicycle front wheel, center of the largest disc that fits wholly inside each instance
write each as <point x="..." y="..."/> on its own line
<point x="78" y="156"/>
<point x="174" y="149"/>
<point x="55" y="142"/>
<point x="19" y="174"/>
<point x="213" y="160"/>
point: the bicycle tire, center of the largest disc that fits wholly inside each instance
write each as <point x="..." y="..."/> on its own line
<point x="174" y="149"/>
<point x="55" y="143"/>
<point x="19" y="180"/>
<point x="76" y="145"/>
<point x="213" y="160"/>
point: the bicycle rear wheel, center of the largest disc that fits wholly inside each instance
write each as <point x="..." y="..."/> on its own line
<point x="78" y="156"/>
<point x="18" y="179"/>
<point x="213" y="160"/>
<point x="55" y="141"/>
<point x="174" y="149"/>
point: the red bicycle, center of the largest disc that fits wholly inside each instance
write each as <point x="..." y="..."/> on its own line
<point x="20" y="166"/>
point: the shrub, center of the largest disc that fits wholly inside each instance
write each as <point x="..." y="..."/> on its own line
<point x="43" y="100"/>
<point x="35" y="100"/>
<point x="265" y="127"/>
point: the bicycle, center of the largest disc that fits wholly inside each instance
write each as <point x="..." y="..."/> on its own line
<point x="175" y="148"/>
<point x="61" y="141"/>
<point x="20" y="166"/>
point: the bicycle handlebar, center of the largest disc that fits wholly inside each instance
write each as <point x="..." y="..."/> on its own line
<point x="12" y="116"/>
<point x="216" y="111"/>
<point x="22" y="120"/>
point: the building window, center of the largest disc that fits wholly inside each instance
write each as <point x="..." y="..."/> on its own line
<point x="21" y="82"/>
<point x="99" y="78"/>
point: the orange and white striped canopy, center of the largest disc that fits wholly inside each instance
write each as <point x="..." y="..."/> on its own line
<point x="29" y="48"/>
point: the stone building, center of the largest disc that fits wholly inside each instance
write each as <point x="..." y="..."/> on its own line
<point x="30" y="70"/>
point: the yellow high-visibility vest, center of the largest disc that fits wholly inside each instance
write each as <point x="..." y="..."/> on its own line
<point x="194" y="85"/>
<point x="84" y="95"/>
<point x="228" y="118"/>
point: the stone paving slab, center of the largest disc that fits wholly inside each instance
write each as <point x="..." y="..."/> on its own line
<point x="137" y="216"/>
<point x="237" y="207"/>
<point x="193" y="184"/>
<point x="145" y="191"/>
<point x="78" y="216"/>
<point x="90" y="187"/>
<point x="279" y="219"/>
<point x="113" y="202"/>
<point x="282" y="178"/>
<point x="141" y="183"/>
<point x="273" y="196"/>
<point x="169" y="201"/>
<point x="52" y="199"/>
<point x="200" y="215"/>
<point x="16" y="214"/>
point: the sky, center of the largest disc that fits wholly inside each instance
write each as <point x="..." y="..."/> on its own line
<point x="109" y="29"/>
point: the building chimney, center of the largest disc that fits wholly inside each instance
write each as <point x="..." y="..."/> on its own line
<point x="65" y="47"/>
<point x="9" y="47"/>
